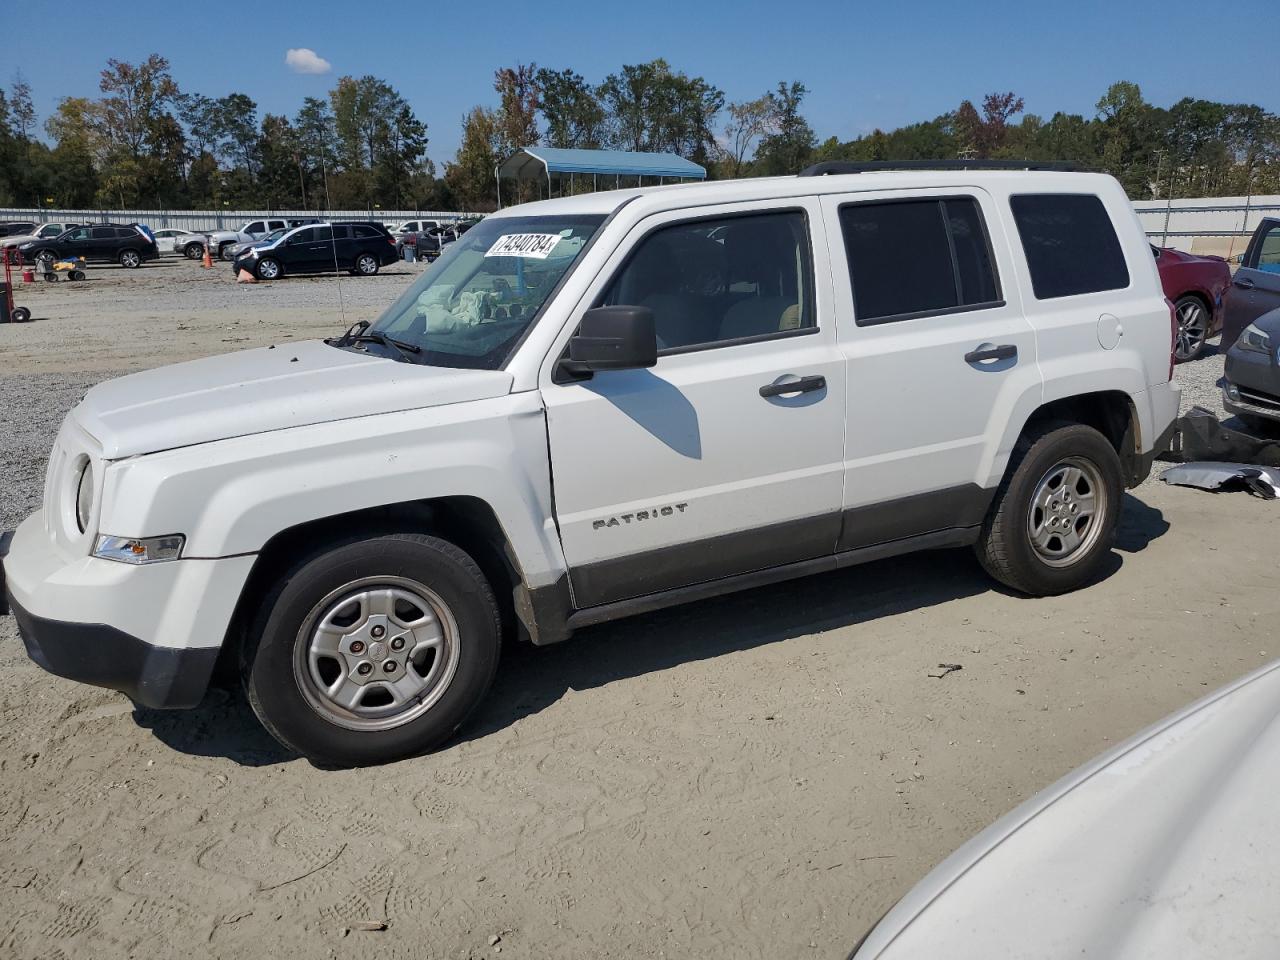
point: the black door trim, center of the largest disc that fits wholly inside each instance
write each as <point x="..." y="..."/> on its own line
<point x="920" y="513"/>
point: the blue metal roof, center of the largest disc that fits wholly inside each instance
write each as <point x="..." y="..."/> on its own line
<point x="529" y="162"/>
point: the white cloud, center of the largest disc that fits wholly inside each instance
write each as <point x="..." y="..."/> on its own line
<point x="303" y="60"/>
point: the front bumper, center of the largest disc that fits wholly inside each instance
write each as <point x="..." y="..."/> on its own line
<point x="101" y="655"/>
<point x="153" y="632"/>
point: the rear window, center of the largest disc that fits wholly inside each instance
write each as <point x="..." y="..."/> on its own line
<point x="916" y="258"/>
<point x="1070" y="243"/>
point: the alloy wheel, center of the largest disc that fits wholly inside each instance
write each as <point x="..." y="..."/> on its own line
<point x="1193" y="329"/>
<point x="1067" y="510"/>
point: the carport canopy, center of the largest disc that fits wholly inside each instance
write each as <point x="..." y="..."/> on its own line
<point x="539" y="163"/>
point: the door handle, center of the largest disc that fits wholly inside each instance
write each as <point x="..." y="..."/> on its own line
<point x="1243" y="282"/>
<point x="987" y="351"/>
<point x="803" y="385"/>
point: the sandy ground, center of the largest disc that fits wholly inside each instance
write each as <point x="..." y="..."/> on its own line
<point x="755" y="776"/>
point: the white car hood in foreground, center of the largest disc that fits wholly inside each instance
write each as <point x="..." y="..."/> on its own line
<point x="271" y="388"/>
<point x="1166" y="847"/>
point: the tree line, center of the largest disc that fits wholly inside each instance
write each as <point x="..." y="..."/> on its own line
<point x="145" y="143"/>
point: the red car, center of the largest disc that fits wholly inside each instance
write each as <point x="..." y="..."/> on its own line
<point x="1196" y="286"/>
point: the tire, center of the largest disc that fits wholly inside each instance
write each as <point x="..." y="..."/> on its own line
<point x="20" y="315"/>
<point x="367" y="265"/>
<point x="76" y="274"/>
<point x="268" y="268"/>
<point x="130" y="259"/>
<point x="358" y="588"/>
<point x="224" y="252"/>
<point x="1194" y="324"/>
<point x="193" y="251"/>
<point x="1024" y="543"/>
<point x="44" y="259"/>
<point x="50" y="277"/>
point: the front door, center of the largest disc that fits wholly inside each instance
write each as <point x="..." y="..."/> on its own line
<point x="937" y="349"/>
<point x="725" y="457"/>
<point x="1255" y="288"/>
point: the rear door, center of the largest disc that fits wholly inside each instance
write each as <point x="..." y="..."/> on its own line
<point x="937" y="352"/>
<point x="1255" y="288"/>
<point x="103" y="243"/>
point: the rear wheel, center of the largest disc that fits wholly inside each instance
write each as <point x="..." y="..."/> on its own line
<point x="1193" y="328"/>
<point x="20" y="315"/>
<point x="373" y="650"/>
<point x="267" y="269"/>
<point x="1054" y="516"/>
<point x="366" y="265"/>
<point x="130" y="259"/>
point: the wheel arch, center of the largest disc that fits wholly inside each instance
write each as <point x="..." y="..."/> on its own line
<point x="469" y="523"/>
<point x="1111" y="412"/>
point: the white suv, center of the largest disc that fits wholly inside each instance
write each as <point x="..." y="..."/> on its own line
<point x="600" y="405"/>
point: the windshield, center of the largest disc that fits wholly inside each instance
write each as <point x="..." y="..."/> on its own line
<point x="271" y="237"/>
<point x="472" y="306"/>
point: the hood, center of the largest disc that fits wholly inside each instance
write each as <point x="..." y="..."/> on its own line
<point x="270" y="388"/>
<point x="1165" y="847"/>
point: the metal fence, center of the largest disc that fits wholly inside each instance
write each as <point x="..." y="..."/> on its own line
<point x="204" y="220"/>
<point x="1172" y="221"/>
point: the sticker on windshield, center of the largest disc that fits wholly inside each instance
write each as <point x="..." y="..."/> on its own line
<point x="535" y="245"/>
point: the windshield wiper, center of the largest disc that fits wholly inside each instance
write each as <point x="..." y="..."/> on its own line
<point x="400" y="346"/>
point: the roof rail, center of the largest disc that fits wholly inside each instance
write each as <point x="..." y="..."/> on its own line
<point x="828" y="167"/>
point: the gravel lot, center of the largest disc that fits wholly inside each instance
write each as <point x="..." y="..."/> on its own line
<point x="755" y="776"/>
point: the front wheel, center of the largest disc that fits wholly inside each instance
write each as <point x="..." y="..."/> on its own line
<point x="374" y="650"/>
<point x="267" y="269"/>
<point x="45" y="260"/>
<point x="130" y="259"/>
<point x="1054" y="516"/>
<point x="193" y="251"/>
<point x="224" y="252"/>
<point x="366" y="265"/>
<point x="20" y="315"/>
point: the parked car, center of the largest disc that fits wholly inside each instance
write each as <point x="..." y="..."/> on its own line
<point x="1255" y="288"/>
<point x="223" y="242"/>
<point x="175" y="240"/>
<point x="43" y="231"/>
<point x="126" y="244"/>
<point x="359" y="247"/>
<point x="729" y="384"/>
<point x="1196" y="286"/>
<point x="1165" y="846"/>
<point x="1251" y="378"/>
<point x="11" y="228"/>
<point x="416" y="226"/>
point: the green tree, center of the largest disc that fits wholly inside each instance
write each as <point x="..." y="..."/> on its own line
<point x="572" y="112"/>
<point x="790" y="148"/>
<point x="470" y="177"/>
<point x="749" y="121"/>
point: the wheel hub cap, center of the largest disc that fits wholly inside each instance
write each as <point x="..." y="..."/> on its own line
<point x="376" y="654"/>
<point x="1066" y="513"/>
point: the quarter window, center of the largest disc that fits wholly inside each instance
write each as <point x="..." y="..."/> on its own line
<point x="913" y="258"/>
<point x="1070" y="244"/>
<point x="714" y="281"/>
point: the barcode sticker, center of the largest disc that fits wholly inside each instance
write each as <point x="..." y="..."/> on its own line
<point x="535" y="245"/>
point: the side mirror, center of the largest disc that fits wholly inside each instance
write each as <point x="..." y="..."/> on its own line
<point x="613" y="338"/>
<point x="1237" y="259"/>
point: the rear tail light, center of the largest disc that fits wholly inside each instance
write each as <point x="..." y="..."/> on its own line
<point x="1173" y="335"/>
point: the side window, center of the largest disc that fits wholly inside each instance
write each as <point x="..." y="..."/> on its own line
<point x="80" y="234"/>
<point x="274" y="225"/>
<point x="1070" y="244"/>
<point x="322" y="233"/>
<point x="341" y="233"/>
<point x="52" y="230"/>
<point x="125" y="233"/>
<point x="910" y="258"/>
<point x="255" y="227"/>
<point x="303" y="236"/>
<point x="365" y="233"/>
<point x="104" y="233"/>
<point x="1269" y="251"/>
<point x="714" y="281"/>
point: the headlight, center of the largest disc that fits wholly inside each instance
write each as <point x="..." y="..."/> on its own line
<point x="84" y="496"/>
<point x="140" y="549"/>
<point x="1253" y="340"/>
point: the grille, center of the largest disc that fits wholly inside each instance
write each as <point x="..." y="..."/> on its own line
<point x="1259" y="399"/>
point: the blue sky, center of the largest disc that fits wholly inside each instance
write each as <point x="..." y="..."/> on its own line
<point x="865" y="64"/>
